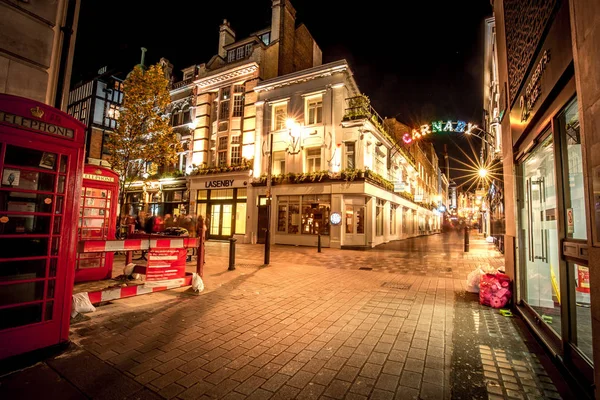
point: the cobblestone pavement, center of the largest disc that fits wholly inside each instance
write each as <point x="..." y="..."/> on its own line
<point x="309" y="326"/>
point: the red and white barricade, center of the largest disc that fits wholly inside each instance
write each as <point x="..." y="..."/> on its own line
<point x="165" y="269"/>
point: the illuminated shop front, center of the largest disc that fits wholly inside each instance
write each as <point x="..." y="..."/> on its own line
<point x="222" y="200"/>
<point x="547" y="241"/>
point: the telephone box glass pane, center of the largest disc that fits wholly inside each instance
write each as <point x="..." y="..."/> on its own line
<point x="21" y="292"/>
<point x="25" y="202"/>
<point x="24" y="157"/>
<point x="18" y="316"/>
<point x="22" y="270"/>
<point x="20" y="247"/>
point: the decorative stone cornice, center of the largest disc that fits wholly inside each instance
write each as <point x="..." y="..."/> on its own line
<point x="304" y="76"/>
<point x="227" y="75"/>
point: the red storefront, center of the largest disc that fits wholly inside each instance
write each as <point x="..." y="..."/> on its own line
<point x="97" y="221"/>
<point x="41" y="164"/>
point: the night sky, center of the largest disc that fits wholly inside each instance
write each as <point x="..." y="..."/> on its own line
<point x="416" y="60"/>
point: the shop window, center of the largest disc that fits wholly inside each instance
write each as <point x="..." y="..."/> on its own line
<point x="242" y="193"/>
<point x="279" y="116"/>
<point x="221" y="194"/>
<point x="288" y="214"/>
<point x="576" y="223"/>
<point x="379" y="217"/>
<point x="314" y="110"/>
<point x="350" y="158"/>
<point x="315" y="214"/>
<point x="313" y="159"/>
<point x="202" y="195"/>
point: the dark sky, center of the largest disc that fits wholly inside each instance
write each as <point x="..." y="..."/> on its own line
<point x="416" y="60"/>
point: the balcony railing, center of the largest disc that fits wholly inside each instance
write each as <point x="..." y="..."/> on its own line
<point x="185" y="82"/>
<point x="359" y="107"/>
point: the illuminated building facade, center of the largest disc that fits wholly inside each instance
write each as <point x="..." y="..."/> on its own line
<point x="548" y="61"/>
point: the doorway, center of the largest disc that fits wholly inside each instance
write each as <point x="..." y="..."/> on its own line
<point x="354" y="225"/>
<point x="540" y="255"/>
<point x="221" y="220"/>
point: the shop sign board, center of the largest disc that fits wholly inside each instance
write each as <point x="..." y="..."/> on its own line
<point x="165" y="264"/>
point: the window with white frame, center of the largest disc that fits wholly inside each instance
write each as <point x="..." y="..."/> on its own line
<point x="231" y="56"/>
<point x="238" y="100"/>
<point x="224" y="103"/>
<point x="239" y="53"/>
<point x="379" y="217"/>
<point x="278" y="162"/>
<point x="279" y="116"/>
<point x="314" y="111"/>
<point x="222" y="151"/>
<point x="350" y="155"/>
<point x="236" y="153"/>
<point x="313" y="159"/>
<point x="248" y="49"/>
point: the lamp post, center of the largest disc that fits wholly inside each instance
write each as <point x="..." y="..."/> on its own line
<point x="269" y="173"/>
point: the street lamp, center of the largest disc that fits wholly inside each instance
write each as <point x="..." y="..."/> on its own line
<point x="483" y="172"/>
<point x="268" y="194"/>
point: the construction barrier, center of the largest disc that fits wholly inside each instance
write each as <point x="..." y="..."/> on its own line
<point x="166" y="262"/>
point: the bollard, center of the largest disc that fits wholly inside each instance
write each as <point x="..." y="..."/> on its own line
<point x="231" y="254"/>
<point x="466" y="239"/>
<point x="200" y="253"/>
<point x="319" y="243"/>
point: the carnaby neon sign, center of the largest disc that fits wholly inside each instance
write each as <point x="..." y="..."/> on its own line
<point x="437" y="127"/>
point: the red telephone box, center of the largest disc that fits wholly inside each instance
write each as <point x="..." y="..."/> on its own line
<point x="41" y="164"/>
<point x="97" y="221"/>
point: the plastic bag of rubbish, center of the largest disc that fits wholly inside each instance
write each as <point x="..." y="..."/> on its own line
<point x="81" y="304"/>
<point x="128" y="269"/>
<point x="473" y="280"/>
<point x="197" y="284"/>
<point x="489" y="239"/>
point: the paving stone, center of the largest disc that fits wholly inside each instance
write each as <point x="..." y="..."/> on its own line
<point x="311" y="391"/>
<point x="411" y="379"/>
<point x="363" y="385"/>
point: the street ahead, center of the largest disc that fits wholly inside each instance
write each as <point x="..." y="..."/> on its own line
<point x="390" y="323"/>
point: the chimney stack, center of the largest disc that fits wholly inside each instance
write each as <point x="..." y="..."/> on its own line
<point x="226" y="36"/>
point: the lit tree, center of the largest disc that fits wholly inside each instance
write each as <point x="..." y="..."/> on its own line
<point x="143" y="136"/>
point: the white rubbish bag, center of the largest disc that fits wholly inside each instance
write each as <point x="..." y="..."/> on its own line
<point x="197" y="284"/>
<point x="81" y="304"/>
<point x="473" y="280"/>
<point x="128" y="269"/>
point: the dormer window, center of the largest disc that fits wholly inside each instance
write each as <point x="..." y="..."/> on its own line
<point x="248" y="49"/>
<point x="266" y="38"/>
<point x="231" y="56"/>
<point x="239" y="53"/>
